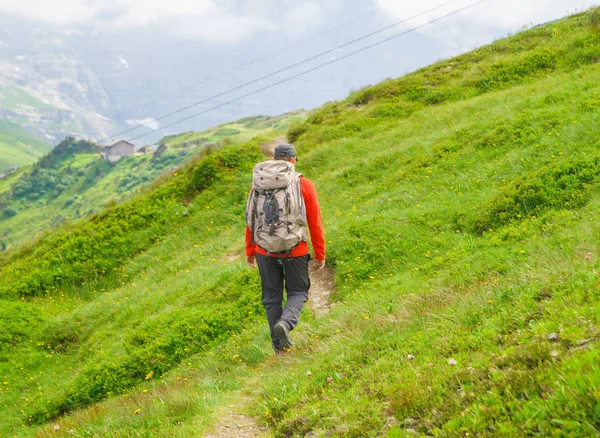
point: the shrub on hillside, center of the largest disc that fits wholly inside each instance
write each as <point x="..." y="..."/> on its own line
<point x="17" y="322"/>
<point x="155" y="345"/>
<point x="502" y="74"/>
<point x="347" y="129"/>
<point x="10" y="212"/>
<point x="132" y="180"/>
<point x="164" y="160"/>
<point x="88" y="251"/>
<point x="408" y="88"/>
<point x="63" y="184"/>
<point x="127" y="180"/>
<point x="226" y="132"/>
<point x="66" y="148"/>
<point x="595" y="18"/>
<point x="525" y="129"/>
<point x="40" y="182"/>
<point x="250" y="119"/>
<point x="61" y="333"/>
<point x="564" y="185"/>
<point x="97" y="170"/>
<point x="399" y="109"/>
<point x="35" y="184"/>
<point x="296" y="131"/>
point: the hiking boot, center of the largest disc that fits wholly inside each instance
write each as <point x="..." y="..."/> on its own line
<point x="281" y="333"/>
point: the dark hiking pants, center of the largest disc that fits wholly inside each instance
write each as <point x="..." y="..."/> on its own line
<point x="276" y="273"/>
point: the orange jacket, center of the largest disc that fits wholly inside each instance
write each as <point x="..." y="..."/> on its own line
<point x="315" y="226"/>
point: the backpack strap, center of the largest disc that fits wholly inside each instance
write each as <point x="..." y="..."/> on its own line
<point x="288" y="209"/>
<point x="254" y="214"/>
<point x="301" y="200"/>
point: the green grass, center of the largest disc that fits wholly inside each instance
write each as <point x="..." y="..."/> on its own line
<point x="18" y="147"/>
<point x="85" y="183"/>
<point x="239" y="131"/>
<point x="462" y="232"/>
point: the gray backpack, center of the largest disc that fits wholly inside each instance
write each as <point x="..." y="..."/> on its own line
<point x="275" y="212"/>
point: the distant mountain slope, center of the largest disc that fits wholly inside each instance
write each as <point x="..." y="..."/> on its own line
<point x="18" y="147"/>
<point x="44" y="86"/>
<point x="461" y="207"/>
<point x="73" y="180"/>
<point x="93" y="82"/>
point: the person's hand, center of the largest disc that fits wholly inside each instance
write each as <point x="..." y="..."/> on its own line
<point x="319" y="265"/>
<point x="251" y="260"/>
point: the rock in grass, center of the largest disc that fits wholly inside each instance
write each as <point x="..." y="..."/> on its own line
<point x="553" y="337"/>
<point x="410" y="357"/>
<point x="408" y="421"/>
<point x="452" y="362"/>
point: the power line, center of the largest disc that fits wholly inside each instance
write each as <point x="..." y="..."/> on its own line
<point x="262" y="58"/>
<point x="314" y="68"/>
<point x="289" y="67"/>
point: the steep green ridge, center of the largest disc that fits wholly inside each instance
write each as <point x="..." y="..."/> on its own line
<point x="460" y="204"/>
<point x="18" y="147"/>
<point x="240" y="130"/>
<point x="69" y="184"/>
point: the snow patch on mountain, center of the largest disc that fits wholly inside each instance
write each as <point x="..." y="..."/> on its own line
<point x="124" y="62"/>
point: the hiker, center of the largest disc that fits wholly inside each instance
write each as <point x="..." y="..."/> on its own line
<point x="281" y="204"/>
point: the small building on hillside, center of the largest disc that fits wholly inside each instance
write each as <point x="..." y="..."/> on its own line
<point x="118" y="149"/>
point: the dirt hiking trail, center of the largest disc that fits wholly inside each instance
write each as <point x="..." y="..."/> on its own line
<point x="234" y="425"/>
<point x="231" y="421"/>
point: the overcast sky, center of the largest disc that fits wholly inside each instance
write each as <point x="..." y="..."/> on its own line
<point x="233" y="21"/>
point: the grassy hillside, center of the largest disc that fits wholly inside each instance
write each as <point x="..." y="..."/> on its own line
<point x="241" y="130"/>
<point x="73" y="186"/>
<point x="76" y="185"/>
<point x="18" y="147"/>
<point x="460" y="204"/>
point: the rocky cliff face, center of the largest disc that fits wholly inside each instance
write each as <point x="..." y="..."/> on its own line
<point x="46" y="88"/>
